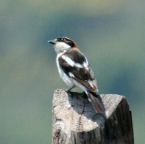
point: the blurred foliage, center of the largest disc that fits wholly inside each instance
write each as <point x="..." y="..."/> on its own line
<point x="110" y="33"/>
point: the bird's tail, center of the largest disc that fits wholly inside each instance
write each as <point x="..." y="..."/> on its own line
<point x="96" y="102"/>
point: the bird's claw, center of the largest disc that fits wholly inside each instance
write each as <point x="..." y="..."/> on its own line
<point x="66" y="90"/>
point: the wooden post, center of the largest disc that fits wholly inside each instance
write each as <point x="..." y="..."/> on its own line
<point x="76" y="122"/>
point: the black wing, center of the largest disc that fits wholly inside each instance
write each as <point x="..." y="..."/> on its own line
<point x="82" y="73"/>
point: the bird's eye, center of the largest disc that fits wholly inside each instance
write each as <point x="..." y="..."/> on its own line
<point x="62" y="39"/>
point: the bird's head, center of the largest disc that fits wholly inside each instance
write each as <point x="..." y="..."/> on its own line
<point x="62" y="44"/>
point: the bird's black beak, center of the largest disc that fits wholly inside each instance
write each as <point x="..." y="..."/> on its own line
<point x="52" y="41"/>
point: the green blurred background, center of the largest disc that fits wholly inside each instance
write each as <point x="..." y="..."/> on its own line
<point x="110" y="33"/>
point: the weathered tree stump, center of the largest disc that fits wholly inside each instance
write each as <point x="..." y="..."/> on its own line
<point x="76" y="122"/>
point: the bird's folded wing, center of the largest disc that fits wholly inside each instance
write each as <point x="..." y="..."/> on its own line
<point x="76" y="66"/>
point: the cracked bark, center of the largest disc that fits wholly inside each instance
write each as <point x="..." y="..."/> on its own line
<point x="76" y="122"/>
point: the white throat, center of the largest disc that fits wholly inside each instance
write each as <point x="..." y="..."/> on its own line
<point x="61" y="47"/>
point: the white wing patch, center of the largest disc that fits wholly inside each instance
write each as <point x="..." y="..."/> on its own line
<point x="71" y="74"/>
<point x="71" y="62"/>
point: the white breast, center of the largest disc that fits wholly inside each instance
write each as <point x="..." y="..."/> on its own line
<point x="65" y="78"/>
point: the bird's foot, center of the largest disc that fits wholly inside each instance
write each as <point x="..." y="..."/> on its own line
<point x="69" y="90"/>
<point x="66" y="90"/>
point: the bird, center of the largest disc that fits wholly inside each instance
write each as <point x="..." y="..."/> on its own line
<point x="75" y="70"/>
